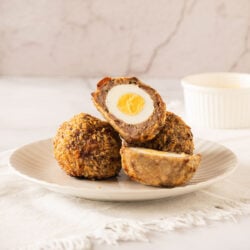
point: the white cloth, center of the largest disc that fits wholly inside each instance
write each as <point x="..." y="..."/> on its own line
<point x="32" y="217"/>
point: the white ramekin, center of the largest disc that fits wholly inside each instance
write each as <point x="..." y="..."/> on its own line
<point x="217" y="100"/>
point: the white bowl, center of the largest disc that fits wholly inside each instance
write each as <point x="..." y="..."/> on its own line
<point x="217" y="100"/>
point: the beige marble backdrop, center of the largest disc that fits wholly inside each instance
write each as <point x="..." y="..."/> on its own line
<point x="161" y="38"/>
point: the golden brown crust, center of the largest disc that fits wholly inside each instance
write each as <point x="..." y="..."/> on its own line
<point x="131" y="133"/>
<point x="157" y="170"/>
<point x="88" y="147"/>
<point x="175" y="136"/>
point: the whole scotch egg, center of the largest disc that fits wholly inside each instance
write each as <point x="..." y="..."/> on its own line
<point x="87" y="147"/>
<point x="175" y="136"/>
<point x="134" y="109"/>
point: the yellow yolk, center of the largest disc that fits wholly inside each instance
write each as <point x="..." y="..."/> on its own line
<point x="130" y="104"/>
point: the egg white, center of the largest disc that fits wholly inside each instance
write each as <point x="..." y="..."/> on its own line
<point x="117" y="92"/>
<point x="159" y="153"/>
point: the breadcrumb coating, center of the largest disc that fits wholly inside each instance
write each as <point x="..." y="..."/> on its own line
<point x="88" y="147"/>
<point x="175" y="136"/>
<point x="159" y="170"/>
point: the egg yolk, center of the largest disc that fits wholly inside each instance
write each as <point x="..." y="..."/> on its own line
<point x="130" y="104"/>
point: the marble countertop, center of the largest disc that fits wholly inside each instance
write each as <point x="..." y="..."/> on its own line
<point x="33" y="108"/>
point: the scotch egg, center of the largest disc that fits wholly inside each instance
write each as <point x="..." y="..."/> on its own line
<point x="158" y="168"/>
<point x="87" y="147"/>
<point x="175" y="136"/>
<point x="134" y="109"/>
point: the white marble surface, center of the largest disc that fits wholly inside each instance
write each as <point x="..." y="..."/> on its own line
<point x="148" y="38"/>
<point x="32" y="108"/>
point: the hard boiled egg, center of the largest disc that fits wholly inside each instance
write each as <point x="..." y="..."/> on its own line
<point x="129" y="103"/>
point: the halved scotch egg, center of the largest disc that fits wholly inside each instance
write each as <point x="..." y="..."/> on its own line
<point x="158" y="168"/>
<point x="134" y="109"/>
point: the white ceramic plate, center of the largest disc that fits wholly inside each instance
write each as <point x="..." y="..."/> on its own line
<point x="36" y="163"/>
